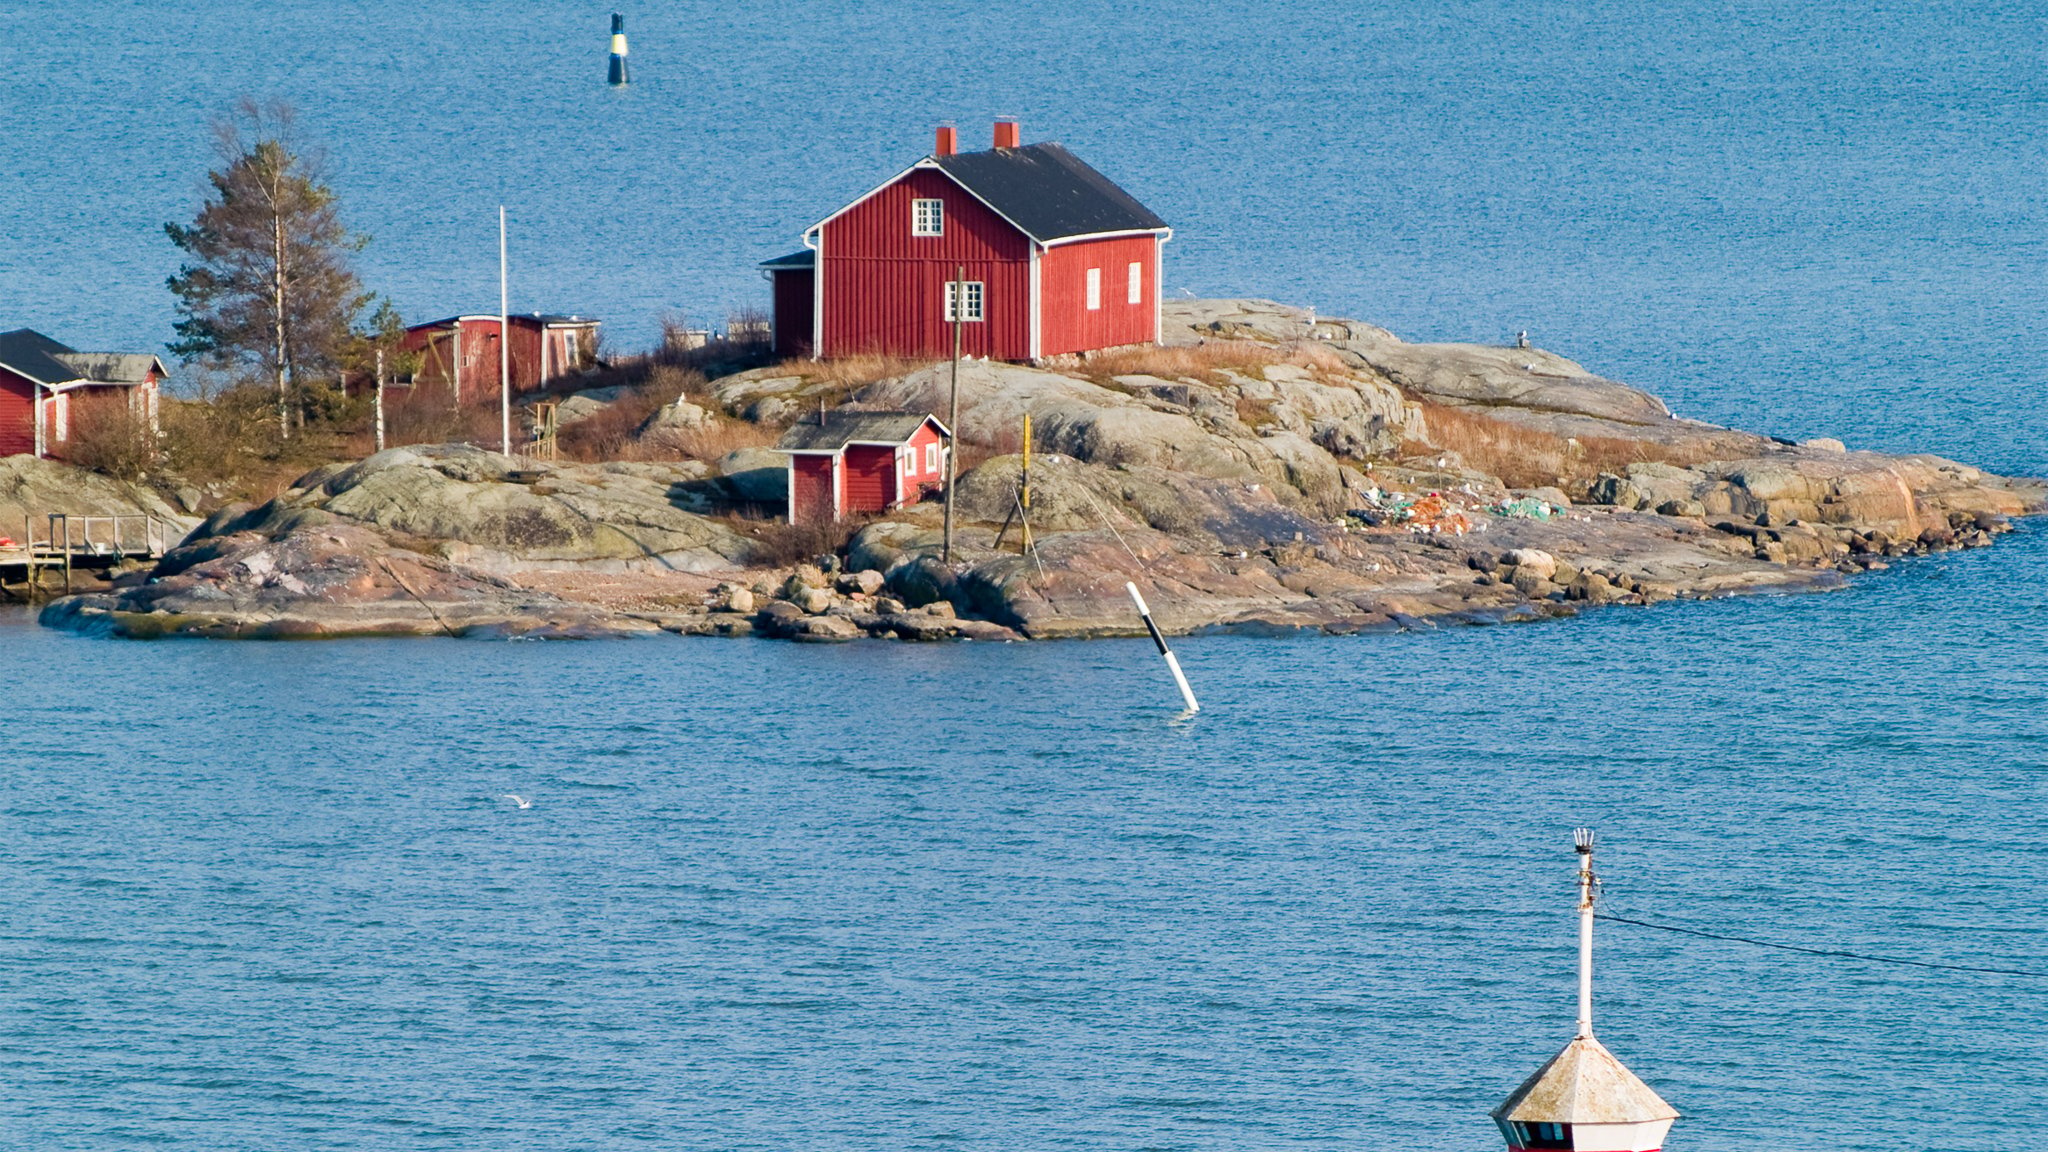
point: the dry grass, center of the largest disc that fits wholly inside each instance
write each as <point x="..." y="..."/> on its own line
<point x="709" y="442"/>
<point x="1525" y="457"/>
<point x="1204" y="361"/>
<point x="851" y="373"/>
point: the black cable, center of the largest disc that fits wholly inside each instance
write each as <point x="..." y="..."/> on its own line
<point x="1820" y="951"/>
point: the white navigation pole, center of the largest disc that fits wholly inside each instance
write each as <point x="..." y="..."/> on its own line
<point x="1584" y="1098"/>
<point x="1582" y="839"/>
<point x="1172" y="665"/>
<point x="504" y="346"/>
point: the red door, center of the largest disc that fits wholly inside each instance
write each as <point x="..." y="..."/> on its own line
<point x="811" y="498"/>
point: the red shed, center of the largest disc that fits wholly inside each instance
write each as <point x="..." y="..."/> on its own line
<point x="862" y="462"/>
<point x="461" y="352"/>
<point x="42" y="381"/>
<point x="1057" y="259"/>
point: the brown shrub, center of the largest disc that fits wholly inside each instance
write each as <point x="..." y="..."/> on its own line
<point x="108" y="436"/>
<point x="426" y="415"/>
<point x="778" y="544"/>
<point x="613" y="433"/>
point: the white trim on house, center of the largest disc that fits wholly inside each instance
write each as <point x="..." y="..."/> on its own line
<point x="789" y="492"/>
<point x="1162" y="232"/>
<point x="1034" y="342"/>
<point x="1159" y="286"/>
<point x="818" y="288"/>
<point x="838" y="473"/>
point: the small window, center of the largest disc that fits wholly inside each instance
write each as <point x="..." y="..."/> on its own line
<point x="570" y="359"/>
<point x="1137" y="289"/>
<point x="906" y="461"/>
<point x="931" y="457"/>
<point x="1095" y="289"/>
<point x="970" y="310"/>
<point x="1535" y="1136"/>
<point x="927" y="217"/>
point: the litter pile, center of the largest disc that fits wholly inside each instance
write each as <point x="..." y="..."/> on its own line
<point x="1428" y="515"/>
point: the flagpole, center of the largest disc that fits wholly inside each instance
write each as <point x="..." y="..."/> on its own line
<point x="504" y="346"/>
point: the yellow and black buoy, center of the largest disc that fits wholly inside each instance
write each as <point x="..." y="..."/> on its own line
<point x="618" y="73"/>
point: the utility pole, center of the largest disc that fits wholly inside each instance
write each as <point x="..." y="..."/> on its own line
<point x="380" y="399"/>
<point x="504" y="347"/>
<point x="959" y="302"/>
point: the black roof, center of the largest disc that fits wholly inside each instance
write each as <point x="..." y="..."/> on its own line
<point x="795" y="260"/>
<point x="529" y="317"/>
<point x="842" y="428"/>
<point x="35" y="356"/>
<point x="1048" y="192"/>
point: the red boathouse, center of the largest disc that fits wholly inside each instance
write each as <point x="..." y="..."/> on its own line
<point x="42" y="382"/>
<point x="1056" y="259"/>
<point x="461" y="352"/>
<point x="862" y="462"/>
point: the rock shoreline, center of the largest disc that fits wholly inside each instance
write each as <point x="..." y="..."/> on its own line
<point x="1271" y="472"/>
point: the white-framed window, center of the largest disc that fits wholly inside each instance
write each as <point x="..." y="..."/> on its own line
<point x="927" y="217"/>
<point x="931" y="457"/>
<point x="1095" y="289"/>
<point x="61" y="410"/>
<point x="970" y="308"/>
<point x="1136" y="294"/>
<point x="570" y="348"/>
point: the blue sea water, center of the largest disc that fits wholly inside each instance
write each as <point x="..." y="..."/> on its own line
<point x="997" y="897"/>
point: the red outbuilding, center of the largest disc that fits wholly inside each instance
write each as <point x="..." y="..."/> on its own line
<point x="461" y="352"/>
<point x="862" y="462"/>
<point x="1052" y="257"/>
<point x="44" y="382"/>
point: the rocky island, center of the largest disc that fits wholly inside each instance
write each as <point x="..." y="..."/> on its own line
<point x="1265" y="470"/>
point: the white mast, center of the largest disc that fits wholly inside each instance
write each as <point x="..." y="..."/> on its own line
<point x="1582" y="839"/>
<point x="504" y="347"/>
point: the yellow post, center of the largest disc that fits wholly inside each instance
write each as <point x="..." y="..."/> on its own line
<point x="1027" y="461"/>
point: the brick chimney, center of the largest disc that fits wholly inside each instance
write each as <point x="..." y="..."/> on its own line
<point x="1008" y="135"/>
<point x="948" y="141"/>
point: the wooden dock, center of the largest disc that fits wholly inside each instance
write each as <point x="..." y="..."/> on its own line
<point x="43" y="560"/>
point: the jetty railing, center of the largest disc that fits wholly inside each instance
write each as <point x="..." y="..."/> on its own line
<point x="70" y="540"/>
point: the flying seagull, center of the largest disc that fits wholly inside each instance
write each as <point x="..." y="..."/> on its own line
<point x="521" y="801"/>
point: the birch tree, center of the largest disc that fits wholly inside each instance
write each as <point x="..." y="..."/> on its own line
<point x="267" y="285"/>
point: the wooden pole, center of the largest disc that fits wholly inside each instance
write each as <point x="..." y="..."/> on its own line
<point x="959" y="302"/>
<point x="380" y="399"/>
<point x="67" y="555"/>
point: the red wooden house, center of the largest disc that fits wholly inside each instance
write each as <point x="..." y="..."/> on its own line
<point x="1056" y="259"/>
<point x="42" y="382"/>
<point x="862" y="462"/>
<point x="461" y="352"/>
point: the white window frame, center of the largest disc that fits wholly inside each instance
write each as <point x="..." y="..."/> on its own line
<point x="1095" y="289"/>
<point x="60" y="412"/>
<point x="927" y="217"/>
<point x="570" y="350"/>
<point x="931" y="458"/>
<point x="1136" y="295"/>
<point x="977" y="301"/>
